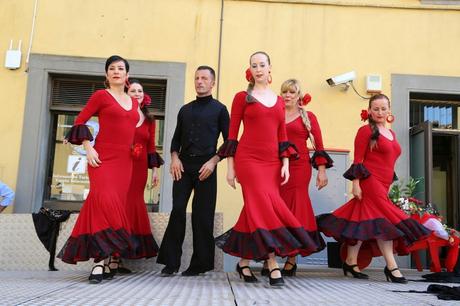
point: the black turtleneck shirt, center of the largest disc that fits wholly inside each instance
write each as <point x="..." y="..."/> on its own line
<point x="199" y="124"/>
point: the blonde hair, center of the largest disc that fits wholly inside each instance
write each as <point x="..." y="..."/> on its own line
<point x="295" y="85"/>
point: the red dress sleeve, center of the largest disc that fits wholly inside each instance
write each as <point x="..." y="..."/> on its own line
<point x="285" y="148"/>
<point x="79" y="131"/>
<point x="154" y="159"/>
<point x="320" y="157"/>
<point x="357" y="169"/>
<point x="228" y="148"/>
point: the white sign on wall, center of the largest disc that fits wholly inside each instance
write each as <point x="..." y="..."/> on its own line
<point x="76" y="164"/>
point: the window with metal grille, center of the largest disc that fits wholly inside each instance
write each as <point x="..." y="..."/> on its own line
<point x="68" y="184"/>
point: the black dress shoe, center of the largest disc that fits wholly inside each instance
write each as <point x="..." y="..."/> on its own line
<point x="192" y="272"/>
<point x="96" y="278"/>
<point x="168" y="271"/>
<point x="394" y="279"/>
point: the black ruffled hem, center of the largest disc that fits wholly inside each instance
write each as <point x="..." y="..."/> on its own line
<point x="329" y="162"/>
<point x="228" y="148"/>
<point x="351" y="232"/>
<point x="289" y="150"/>
<point x="99" y="246"/>
<point x="146" y="247"/>
<point x="154" y="160"/>
<point x="260" y="243"/>
<point x="79" y="133"/>
<point x="356" y="171"/>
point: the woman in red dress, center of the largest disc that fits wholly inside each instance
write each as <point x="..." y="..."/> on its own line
<point x="266" y="227"/>
<point x="301" y="126"/>
<point x="102" y="228"/>
<point x="144" y="157"/>
<point x="370" y="220"/>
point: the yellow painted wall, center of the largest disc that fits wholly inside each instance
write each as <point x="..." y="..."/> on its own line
<point x="308" y="40"/>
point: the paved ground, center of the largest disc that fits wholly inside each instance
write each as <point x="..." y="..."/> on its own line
<point x="312" y="286"/>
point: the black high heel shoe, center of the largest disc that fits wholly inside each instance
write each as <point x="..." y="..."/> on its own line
<point x="394" y="279"/>
<point x="265" y="271"/>
<point x="349" y="268"/>
<point x="108" y="273"/>
<point x="247" y="278"/>
<point x="290" y="272"/>
<point x="96" y="278"/>
<point x="278" y="282"/>
<point x="122" y="269"/>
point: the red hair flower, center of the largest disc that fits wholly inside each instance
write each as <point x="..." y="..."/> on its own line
<point x="306" y="99"/>
<point x="146" y="101"/>
<point x="364" y="115"/>
<point x="136" y="150"/>
<point x="249" y="76"/>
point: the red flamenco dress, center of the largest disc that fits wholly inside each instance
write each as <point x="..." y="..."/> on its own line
<point x="102" y="228"/>
<point x="265" y="225"/>
<point x="295" y="191"/>
<point x="374" y="216"/>
<point x="145" y="156"/>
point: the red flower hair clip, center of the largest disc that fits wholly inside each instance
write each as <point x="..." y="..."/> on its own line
<point x="146" y="101"/>
<point x="364" y="115"/>
<point x="249" y="76"/>
<point x="136" y="150"/>
<point x="306" y="99"/>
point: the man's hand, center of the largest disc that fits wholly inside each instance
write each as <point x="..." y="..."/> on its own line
<point x="176" y="167"/>
<point x="208" y="168"/>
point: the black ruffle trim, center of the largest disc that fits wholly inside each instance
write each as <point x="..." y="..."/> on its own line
<point x="351" y="232"/>
<point x="154" y="160"/>
<point x="329" y="162"/>
<point x="287" y="149"/>
<point x="228" y="148"/>
<point x="146" y="247"/>
<point x="98" y="246"/>
<point x="78" y="133"/>
<point x="356" y="171"/>
<point x="260" y="243"/>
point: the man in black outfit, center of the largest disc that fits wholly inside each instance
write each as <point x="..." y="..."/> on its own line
<point x="193" y="167"/>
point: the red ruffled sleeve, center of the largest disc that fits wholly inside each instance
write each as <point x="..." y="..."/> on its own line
<point x="153" y="158"/>
<point x="286" y="149"/>
<point x="357" y="170"/>
<point x="320" y="157"/>
<point x="79" y="131"/>
<point x="228" y="148"/>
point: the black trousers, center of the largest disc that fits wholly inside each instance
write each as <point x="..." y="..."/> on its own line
<point x="203" y="209"/>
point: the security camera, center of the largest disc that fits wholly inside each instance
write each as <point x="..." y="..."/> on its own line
<point x="342" y="78"/>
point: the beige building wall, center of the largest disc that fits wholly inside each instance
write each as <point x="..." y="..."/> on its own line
<point x="308" y="40"/>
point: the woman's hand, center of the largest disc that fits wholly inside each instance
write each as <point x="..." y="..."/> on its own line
<point x="155" y="179"/>
<point x="356" y="190"/>
<point x="321" y="177"/>
<point x="285" y="170"/>
<point x="91" y="154"/>
<point x="231" y="175"/>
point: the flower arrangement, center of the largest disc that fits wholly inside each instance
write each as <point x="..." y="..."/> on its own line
<point x="402" y="196"/>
